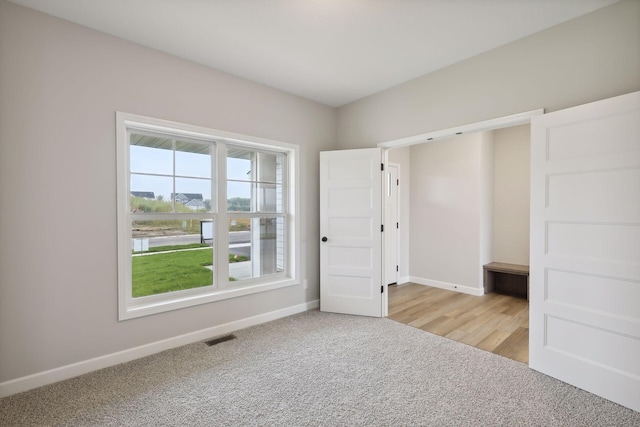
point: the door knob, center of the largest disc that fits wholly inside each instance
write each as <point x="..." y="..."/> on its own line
<point x="324" y="239"/>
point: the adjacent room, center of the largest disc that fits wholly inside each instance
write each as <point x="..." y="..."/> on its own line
<point x="468" y="204"/>
<point x="240" y="101"/>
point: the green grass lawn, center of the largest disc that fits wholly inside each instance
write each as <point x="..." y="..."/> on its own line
<point x="173" y="271"/>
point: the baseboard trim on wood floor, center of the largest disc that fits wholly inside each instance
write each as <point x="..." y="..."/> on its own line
<point x="40" y="379"/>
<point x="448" y="286"/>
<point x="404" y="280"/>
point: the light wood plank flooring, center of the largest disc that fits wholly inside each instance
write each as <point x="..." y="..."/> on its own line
<point x="493" y="322"/>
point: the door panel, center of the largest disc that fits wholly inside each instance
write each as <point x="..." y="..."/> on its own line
<point x="350" y="219"/>
<point x="585" y="247"/>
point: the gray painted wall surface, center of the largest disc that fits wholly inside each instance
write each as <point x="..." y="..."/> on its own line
<point x="511" y="150"/>
<point x="447" y="219"/>
<point x="61" y="85"/>
<point x="593" y="57"/>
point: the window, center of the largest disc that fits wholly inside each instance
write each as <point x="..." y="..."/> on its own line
<point x="203" y="215"/>
<point x="256" y="208"/>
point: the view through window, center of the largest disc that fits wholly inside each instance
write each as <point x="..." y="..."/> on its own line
<point x="192" y="232"/>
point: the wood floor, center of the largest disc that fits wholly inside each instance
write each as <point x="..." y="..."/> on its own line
<point x="493" y="322"/>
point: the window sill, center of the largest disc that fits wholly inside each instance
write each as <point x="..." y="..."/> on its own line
<point x="182" y="299"/>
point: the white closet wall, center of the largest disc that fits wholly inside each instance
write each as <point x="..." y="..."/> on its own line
<point x="511" y="147"/>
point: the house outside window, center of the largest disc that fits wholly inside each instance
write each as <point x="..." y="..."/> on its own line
<point x="203" y="215"/>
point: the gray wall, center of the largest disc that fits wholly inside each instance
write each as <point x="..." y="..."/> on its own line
<point x="449" y="196"/>
<point x="469" y="205"/>
<point x="593" y="57"/>
<point x="511" y="159"/>
<point x="61" y="85"/>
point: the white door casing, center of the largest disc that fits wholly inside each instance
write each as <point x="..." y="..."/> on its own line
<point x="350" y="220"/>
<point x="585" y="247"/>
<point x="391" y="224"/>
<point x="391" y="235"/>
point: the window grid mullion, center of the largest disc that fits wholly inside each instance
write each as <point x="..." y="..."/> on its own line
<point x="174" y="193"/>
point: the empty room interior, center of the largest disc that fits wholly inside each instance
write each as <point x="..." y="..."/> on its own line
<point x="172" y="253"/>
<point x="473" y="210"/>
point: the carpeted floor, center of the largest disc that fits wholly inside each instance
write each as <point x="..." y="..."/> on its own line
<point x="317" y="369"/>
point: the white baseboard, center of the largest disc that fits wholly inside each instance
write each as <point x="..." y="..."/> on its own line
<point x="39" y="379"/>
<point x="448" y="286"/>
<point x="404" y="279"/>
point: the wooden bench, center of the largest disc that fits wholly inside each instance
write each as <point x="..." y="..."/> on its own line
<point x="512" y="279"/>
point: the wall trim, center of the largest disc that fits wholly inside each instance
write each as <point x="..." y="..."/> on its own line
<point x="404" y="279"/>
<point x="40" y="379"/>
<point x="492" y="124"/>
<point x="448" y="286"/>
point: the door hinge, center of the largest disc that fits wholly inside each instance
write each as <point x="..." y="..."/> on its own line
<point x="397" y="269"/>
<point x="397" y="181"/>
<point x="382" y="228"/>
<point x="382" y="289"/>
<point x="382" y="166"/>
<point x="397" y="225"/>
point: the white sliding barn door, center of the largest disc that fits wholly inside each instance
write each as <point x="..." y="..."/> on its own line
<point x="585" y="247"/>
<point x="350" y="230"/>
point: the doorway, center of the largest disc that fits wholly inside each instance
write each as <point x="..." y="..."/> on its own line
<point x="570" y="229"/>
<point x="469" y="206"/>
<point x="464" y="203"/>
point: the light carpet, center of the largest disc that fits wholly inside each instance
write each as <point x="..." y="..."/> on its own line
<point x="317" y="369"/>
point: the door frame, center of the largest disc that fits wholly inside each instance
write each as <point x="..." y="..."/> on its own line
<point x="486" y="125"/>
<point x="492" y="124"/>
<point x="396" y="207"/>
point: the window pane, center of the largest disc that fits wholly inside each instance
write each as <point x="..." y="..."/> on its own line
<point x="269" y="198"/>
<point x="193" y="159"/>
<point x="239" y="168"/>
<point x="193" y="195"/>
<point x="151" y="155"/>
<point x="256" y="247"/>
<point x="170" y="256"/>
<point x="239" y="196"/>
<point x="150" y="193"/>
<point x="255" y="181"/>
<point x="269" y="167"/>
<point x="245" y="196"/>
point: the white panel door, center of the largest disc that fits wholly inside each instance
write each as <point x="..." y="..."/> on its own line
<point x="350" y="230"/>
<point x="585" y="247"/>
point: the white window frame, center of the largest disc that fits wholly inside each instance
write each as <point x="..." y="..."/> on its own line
<point x="129" y="307"/>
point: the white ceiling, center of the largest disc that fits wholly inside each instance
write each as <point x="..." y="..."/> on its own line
<point x="330" y="51"/>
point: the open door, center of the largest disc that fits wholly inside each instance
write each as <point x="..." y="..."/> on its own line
<point x="585" y="247"/>
<point x="351" y="232"/>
